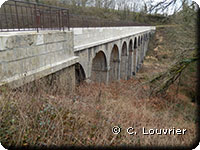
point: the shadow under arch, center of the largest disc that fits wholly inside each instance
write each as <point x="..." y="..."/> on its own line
<point x="123" y="64"/>
<point x="114" y="64"/>
<point x="79" y="73"/>
<point x="130" y="57"/>
<point x="99" y="68"/>
<point x="138" y="53"/>
<point x="135" y="46"/>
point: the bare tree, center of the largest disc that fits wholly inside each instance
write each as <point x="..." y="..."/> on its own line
<point x="182" y="37"/>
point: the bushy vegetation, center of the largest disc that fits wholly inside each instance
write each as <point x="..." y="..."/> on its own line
<point x="86" y="117"/>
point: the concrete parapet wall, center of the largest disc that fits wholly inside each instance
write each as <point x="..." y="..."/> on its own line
<point x="26" y="56"/>
<point x="89" y="37"/>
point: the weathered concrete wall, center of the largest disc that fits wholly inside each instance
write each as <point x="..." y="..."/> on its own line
<point x="103" y="54"/>
<point x="60" y="82"/>
<point x="26" y="56"/>
<point x="89" y="37"/>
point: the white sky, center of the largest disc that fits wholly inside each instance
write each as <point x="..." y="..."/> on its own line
<point x="172" y="8"/>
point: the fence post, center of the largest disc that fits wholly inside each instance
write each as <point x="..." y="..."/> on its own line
<point x="62" y="15"/>
<point x="36" y="18"/>
<point x="68" y="20"/>
<point x="17" y="15"/>
<point x="59" y="23"/>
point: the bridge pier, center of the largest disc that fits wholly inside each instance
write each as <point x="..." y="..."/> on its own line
<point x="114" y="72"/>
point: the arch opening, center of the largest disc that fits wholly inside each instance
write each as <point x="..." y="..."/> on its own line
<point x="135" y="55"/>
<point x="99" y="68"/>
<point x="138" y="41"/>
<point x="79" y="74"/>
<point x="114" y="64"/>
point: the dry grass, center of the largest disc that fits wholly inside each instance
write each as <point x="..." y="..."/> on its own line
<point x="87" y="117"/>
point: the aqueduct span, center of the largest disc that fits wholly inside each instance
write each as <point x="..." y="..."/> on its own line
<point x="99" y="54"/>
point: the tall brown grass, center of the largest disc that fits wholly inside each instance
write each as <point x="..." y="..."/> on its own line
<point x="85" y="118"/>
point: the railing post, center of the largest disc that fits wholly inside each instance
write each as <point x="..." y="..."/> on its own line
<point x="17" y="15"/>
<point x="68" y="20"/>
<point x="36" y="16"/>
<point x="50" y="19"/>
<point x="62" y="15"/>
<point x="6" y="17"/>
<point x="59" y="24"/>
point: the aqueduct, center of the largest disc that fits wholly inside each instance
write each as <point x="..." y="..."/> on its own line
<point x="97" y="54"/>
<point x="41" y="41"/>
<point x="115" y="59"/>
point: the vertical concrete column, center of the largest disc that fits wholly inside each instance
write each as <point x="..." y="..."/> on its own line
<point x="126" y="67"/>
<point x="143" y="50"/>
<point x="123" y="67"/>
<point x="114" y="71"/>
<point x="139" y="57"/>
<point x="135" y="60"/>
<point x="141" y="54"/>
<point x="147" y="45"/>
<point x="130" y="63"/>
<point x="108" y="74"/>
<point x="118" y="71"/>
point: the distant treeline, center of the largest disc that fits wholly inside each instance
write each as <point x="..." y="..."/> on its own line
<point x="112" y="10"/>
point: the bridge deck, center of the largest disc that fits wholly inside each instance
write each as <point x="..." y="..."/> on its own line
<point x="89" y="37"/>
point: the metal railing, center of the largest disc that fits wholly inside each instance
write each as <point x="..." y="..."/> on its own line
<point x="18" y="15"/>
<point x="25" y="16"/>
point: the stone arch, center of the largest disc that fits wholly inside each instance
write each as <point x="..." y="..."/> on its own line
<point x="130" y="57"/>
<point x="139" y="41"/>
<point x="123" y="64"/>
<point x="114" y="64"/>
<point x="79" y="73"/>
<point x="99" y="67"/>
<point x="135" y="43"/>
